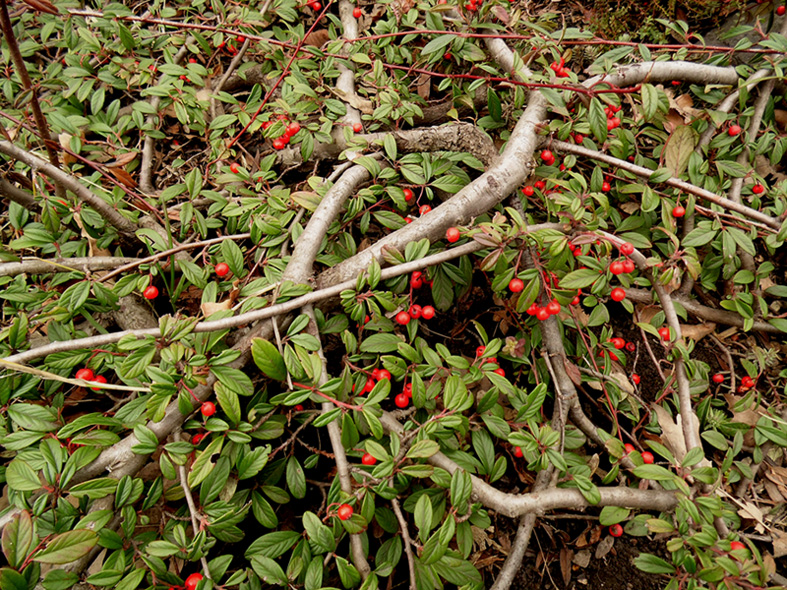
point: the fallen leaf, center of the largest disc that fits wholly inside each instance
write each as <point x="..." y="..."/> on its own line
<point x="209" y="308"/>
<point x="582" y="559"/>
<point x="566" y="556"/>
<point x="697" y="332"/>
<point x="751" y="511"/>
<point x="122" y="160"/>
<point x="779" y="543"/>
<point x="605" y="546"/>
<point x="424" y="86"/>
<point x="671" y="432"/>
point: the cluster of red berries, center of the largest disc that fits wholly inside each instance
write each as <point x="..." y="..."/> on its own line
<point x="87" y="375"/>
<point x="746" y="384"/>
<point x="559" y="68"/>
<point x="542" y="313"/>
<point x="625" y="266"/>
<point x="371" y="381"/>
<point x="613" y="121"/>
<point x="647" y="456"/>
<point x="548" y="157"/>
<point x="280" y="142"/>
<point x="471" y="6"/>
<point x="315" y="6"/>
<point x="402" y="400"/>
<point x="479" y="352"/>
<point x="415" y="312"/>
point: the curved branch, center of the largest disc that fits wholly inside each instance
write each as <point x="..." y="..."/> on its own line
<point x="39" y="266"/>
<point x="69" y="182"/>
<point x="518" y="504"/>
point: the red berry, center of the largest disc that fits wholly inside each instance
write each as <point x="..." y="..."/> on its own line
<point x="279" y="143"/>
<point x="627" y="248"/>
<point x="315" y="6"/>
<point x="758" y="189"/>
<point x="612" y="123"/>
<point x="647" y="457"/>
<point x="618" y="343"/>
<point x="99" y="379"/>
<point x="150" y="292"/>
<point x="553" y="307"/>
<point x="540" y="184"/>
<point x="628" y="266"/>
<point x="222" y="269"/>
<point x="192" y="60"/>
<point x="408" y="194"/>
<point x="424" y="209"/>
<point x="208" y="409"/>
<point x="781" y="10"/>
<point x="616" y="268"/>
<point x="678" y="211"/>
<point x="605" y="187"/>
<point x="408" y="389"/>
<point x="192" y="581"/>
<point x="618" y="294"/>
<point x="518" y="452"/>
<point x="664" y="333"/>
<point x="402" y="400"/>
<point x="542" y="313"/>
<point x="368" y="386"/>
<point x="452" y="234"/>
<point x="428" y="312"/>
<point x="240" y="39"/>
<point x="86" y="374"/>
<point x="734" y="130"/>
<point x="367" y="459"/>
<point x="631" y="347"/>
<point x="629" y="448"/>
<point x="384" y="374"/>
<point x="196" y="438"/>
<point x="357" y="127"/>
<point x="547" y="156"/>
<point x="480" y="350"/>
<point x="234" y="168"/>
<point x="357" y="12"/>
<point x="416" y="280"/>
<point x="635" y="379"/>
<point x="500" y="372"/>
<point x="184" y="77"/>
<point x="616" y="530"/>
<point x="402" y="318"/>
<point x="533" y="309"/>
<point x="528" y="191"/>
<point x="516" y="285"/>
<point x="579" y="138"/>
<point x="737" y="544"/>
<point x="747" y="381"/>
<point x="415" y="311"/>
<point x="345" y="511"/>
<point x="293" y="128"/>
<point x="575" y="300"/>
<point x="718" y="378"/>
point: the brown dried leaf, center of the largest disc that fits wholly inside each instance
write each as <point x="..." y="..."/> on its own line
<point x="65" y="142"/>
<point x="317" y="38"/>
<point x="582" y="559"/>
<point x="566" y="555"/>
<point x="424" y="86"/>
<point x="773" y="492"/>
<point x="779" y="543"/>
<point x="209" y="308"/>
<point x="122" y="160"/>
<point x="605" y="546"/>
<point x="671" y="432"/>
<point x="501" y="14"/>
<point x="780" y="116"/>
<point x="752" y="511"/>
<point x="697" y="332"/>
<point x="123" y="177"/>
<point x="573" y="372"/>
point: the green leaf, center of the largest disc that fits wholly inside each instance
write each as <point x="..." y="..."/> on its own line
<point x="21" y="477"/>
<point x="613" y="515"/>
<point x="268" y="570"/>
<point x="268" y="359"/>
<point x="579" y="279"/>
<point x="655" y="472"/>
<point x="381" y="343"/>
<point x="296" y="480"/>
<point x="389" y="143"/>
<point x="438" y="44"/>
<point x="650" y="101"/>
<point x="95" y="488"/>
<point x="233" y="257"/>
<point x="67" y="547"/>
<point x="12" y="580"/>
<point x="653" y="565"/>
<point x="18" y="539"/>
<point x="597" y="119"/>
<point x="423" y="449"/>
